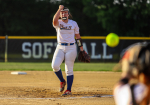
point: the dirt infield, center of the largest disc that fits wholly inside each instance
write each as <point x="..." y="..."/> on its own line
<point x="42" y="88"/>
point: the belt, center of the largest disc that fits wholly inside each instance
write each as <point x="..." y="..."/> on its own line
<point x="66" y="44"/>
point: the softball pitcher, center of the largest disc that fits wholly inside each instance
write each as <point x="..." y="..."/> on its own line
<point x="66" y="30"/>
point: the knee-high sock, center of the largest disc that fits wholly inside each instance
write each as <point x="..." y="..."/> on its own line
<point x="59" y="75"/>
<point x="69" y="82"/>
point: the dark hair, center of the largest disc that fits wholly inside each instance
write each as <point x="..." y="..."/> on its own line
<point x="70" y="16"/>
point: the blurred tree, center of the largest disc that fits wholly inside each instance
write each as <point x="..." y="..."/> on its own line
<point x="94" y="17"/>
<point x="124" y="17"/>
<point x="26" y="17"/>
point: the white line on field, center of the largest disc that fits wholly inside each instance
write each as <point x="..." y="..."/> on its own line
<point x="60" y="98"/>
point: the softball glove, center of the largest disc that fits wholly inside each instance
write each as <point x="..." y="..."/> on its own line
<point x="83" y="57"/>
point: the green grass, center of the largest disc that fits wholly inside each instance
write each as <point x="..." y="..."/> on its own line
<point x="16" y="66"/>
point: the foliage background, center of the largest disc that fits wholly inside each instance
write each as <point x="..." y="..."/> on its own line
<point x="94" y="17"/>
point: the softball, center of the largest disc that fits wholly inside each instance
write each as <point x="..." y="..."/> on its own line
<point x="112" y="40"/>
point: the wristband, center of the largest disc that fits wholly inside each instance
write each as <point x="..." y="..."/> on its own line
<point x="79" y="42"/>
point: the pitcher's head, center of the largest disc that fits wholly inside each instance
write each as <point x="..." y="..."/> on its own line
<point x="65" y="14"/>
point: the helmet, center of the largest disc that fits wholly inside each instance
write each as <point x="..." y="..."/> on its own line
<point x="136" y="59"/>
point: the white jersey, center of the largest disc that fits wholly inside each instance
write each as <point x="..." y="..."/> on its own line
<point x="122" y="94"/>
<point x="66" y="31"/>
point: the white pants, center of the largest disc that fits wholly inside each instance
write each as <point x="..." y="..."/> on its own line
<point x="67" y="53"/>
<point x="122" y="94"/>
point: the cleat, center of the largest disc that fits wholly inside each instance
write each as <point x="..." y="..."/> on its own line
<point x="67" y="92"/>
<point x="62" y="86"/>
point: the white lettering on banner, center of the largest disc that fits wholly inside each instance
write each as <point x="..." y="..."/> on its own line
<point x="39" y="50"/>
<point x="35" y="46"/>
<point x="35" y="49"/>
<point x="24" y="49"/>
<point x="93" y="56"/>
<point x="85" y="47"/>
<point x="105" y="56"/>
<point x="47" y="50"/>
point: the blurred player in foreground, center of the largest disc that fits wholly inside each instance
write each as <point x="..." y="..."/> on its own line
<point x="66" y="30"/>
<point x="135" y="63"/>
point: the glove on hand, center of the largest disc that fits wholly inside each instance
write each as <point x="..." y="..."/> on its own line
<point x="83" y="57"/>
